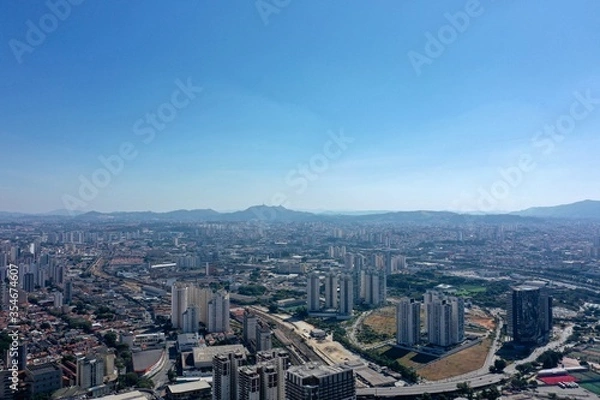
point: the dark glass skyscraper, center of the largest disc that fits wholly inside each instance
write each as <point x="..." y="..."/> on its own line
<point x="530" y="314"/>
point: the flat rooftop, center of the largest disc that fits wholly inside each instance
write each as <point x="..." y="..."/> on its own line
<point x="188" y="387"/>
<point x="317" y="369"/>
<point x="206" y="354"/>
<point x="135" y="395"/>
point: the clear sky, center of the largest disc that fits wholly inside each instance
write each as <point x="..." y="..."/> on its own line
<point x="424" y="124"/>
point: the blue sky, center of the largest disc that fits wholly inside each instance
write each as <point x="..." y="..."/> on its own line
<point x="273" y="94"/>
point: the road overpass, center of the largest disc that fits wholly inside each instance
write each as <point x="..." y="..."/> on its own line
<point x="431" y="388"/>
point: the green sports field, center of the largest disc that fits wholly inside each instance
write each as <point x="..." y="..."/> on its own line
<point x="588" y="380"/>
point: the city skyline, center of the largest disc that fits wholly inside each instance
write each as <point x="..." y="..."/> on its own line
<point x="393" y="106"/>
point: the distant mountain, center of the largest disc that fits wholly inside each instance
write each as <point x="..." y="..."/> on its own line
<point x="135" y="216"/>
<point x="61" y="213"/>
<point x="268" y="214"/>
<point x="587" y="209"/>
<point x="9" y="214"/>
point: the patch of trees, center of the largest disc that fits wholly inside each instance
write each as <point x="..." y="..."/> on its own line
<point x="131" y="379"/>
<point x="366" y="334"/>
<point x="252" y="290"/>
<point x="110" y="339"/>
<point x="104" y="312"/>
<point x="549" y="359"/>
<point x="498" y="367"/>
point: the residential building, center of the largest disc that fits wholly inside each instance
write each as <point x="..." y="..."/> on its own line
<point x="408" y="321"/>
<point x="316" y="381"/>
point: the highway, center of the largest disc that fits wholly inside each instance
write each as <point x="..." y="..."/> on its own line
<point x="431" y="388"/>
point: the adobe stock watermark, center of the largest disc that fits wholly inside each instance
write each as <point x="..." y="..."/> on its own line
<point x="36" y="33"/>
<point x="544" y="141"/>
<point x="266" y="8"/>
<point x="14" y="319"/>
<point x="435" y="45"/>
<point x="146" y="129"/>
<point x="298" y="179"/>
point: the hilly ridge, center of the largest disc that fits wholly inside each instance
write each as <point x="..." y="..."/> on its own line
<point x="587" y="209"/>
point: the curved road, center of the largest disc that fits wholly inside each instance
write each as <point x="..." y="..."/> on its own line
<point x="479" y="381"/>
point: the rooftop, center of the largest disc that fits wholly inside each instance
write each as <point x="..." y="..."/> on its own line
<point x="135" y="395"/>
<point x="317" y="369"/>
<point x="188" y="387"/>
<point x="206" y="354"/>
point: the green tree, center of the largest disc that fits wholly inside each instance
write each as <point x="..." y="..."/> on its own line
<point x="465" y="389"/>
<point x="172" y="375"/>
<point x="498" y="367"/>
<point x="491" y="394"/>
<point x="110" y="338"/>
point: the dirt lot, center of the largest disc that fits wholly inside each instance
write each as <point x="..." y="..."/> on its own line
<point x="333" y="350"/>
<point x="383" y="321"/>
<point x="479" y="317"/>
<point x="460" y="363"/>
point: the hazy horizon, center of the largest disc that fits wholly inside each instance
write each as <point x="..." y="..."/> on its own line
<point x="314" y="211"/>
<point x="468" y="106"/>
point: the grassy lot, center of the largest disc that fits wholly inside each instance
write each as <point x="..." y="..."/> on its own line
<point x="406" y="357"/>
<point x="383" y="321"/>
<point x="459" y="363"/>
<point x="470" y="290"/>
<point x="588" y="380"/>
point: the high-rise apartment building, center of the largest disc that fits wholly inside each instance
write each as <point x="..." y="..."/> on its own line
<point x="191" y="319"/>
<point x="218" y="312"/>
<point x="68" y="292"/>
<point x="266" y="379"/>
<point x="312" y="293"/>
<point x="444" y="319"/>
<point x="90" y="372"/>
<point x="346" y="295"/>
<point x="316" y="381"/>
<point x="250" y="324"/>
<point x="408" y="321"/>
<point x="225" y="375"/>
<point x="331" y="291"/>
<point x="263" y="338"/>
<point x="179" y="303"/>
<point x="374" y="282"/>
<point x="29" y="282"/>
<point x="281" y="359"/>
<point x="249" y="380"/>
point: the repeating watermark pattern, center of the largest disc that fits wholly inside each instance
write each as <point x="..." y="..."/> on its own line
<point x="14" y="319"/>
<point x="544" y="141"/>
<point x="436" y="45"/>
<point x="146" y="129"/>
<point x="36" y="34"/>
<point x="266" y="8"/>
<point x="298" y="179"/>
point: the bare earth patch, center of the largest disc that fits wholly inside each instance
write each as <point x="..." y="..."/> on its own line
<point x="460" y="363"/>
<point x="383" y="321"/>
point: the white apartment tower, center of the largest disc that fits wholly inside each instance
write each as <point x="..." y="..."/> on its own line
<point x="218" y="312"/>
<point x="179" y="303"/>
<point x="408" y="322"/>
<point x="445" y="319"/>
